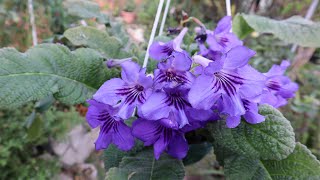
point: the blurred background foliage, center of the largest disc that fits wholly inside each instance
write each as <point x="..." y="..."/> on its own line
<point x="27" y="133"/>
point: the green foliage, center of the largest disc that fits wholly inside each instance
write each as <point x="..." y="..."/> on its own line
<point x="301" y="164"/>
<point x="272" y="139"/>
<point x="85" y="9"/>
<point x="144" y="166"/>
<point x="113" y="156"/>
<point x="93" y="38"/>
<point x="240" y="27"/>
<point x="72" y="77"/>
<point x="197" y="152"/>
<point x="292" y="30"/>
<point x="22" y="157"/>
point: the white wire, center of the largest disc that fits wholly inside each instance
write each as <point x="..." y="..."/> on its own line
<point x="228" y="7"/>
<point x="164" y="17"/>
<point x="153" y="32"/>
<point x="33" y="24"/>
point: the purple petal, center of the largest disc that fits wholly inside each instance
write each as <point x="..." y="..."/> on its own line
<point x="126" y="110"/>
<point x="180" y="117"/>
<point x="232" y="105"/>
<point x="200" y="114"/>
<point x="160" y="50"/>
<point x="268" y="98"/>
<point x="288" y="90"/>
<point x="213" y="43"/>
<point x="145" y="81"/>
<point x="229" y="41"/>
<point x="214" y="66"/>
<point x="181" y="61"/>
<point x="169" y="123"/>
<point x="202" y="94"/>
<point x="130" y="71"/>
<point x="253" y="117"/>
<point x="238" y="57"/>
<point x="224" y="25"/>
<point x="162" y="143"/>
<point x="155" y="107"/>
<point x="95" y="115"/>
<point x="233" y="121"/>
<point x="107" y="93"/>
<point x="147" y="131"/>
<point x="198" y="70"/>
<point x="178" y="146"/>
<point x="122" y="136"/>
<point x="278" y="70"/>
<point x="103" y="140"/>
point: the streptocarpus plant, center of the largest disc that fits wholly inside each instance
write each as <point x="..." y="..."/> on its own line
<point x="223" y="87"/>
<point x="150" y="117"/>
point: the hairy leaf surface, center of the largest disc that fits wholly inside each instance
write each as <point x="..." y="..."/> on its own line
<point x="301" y="164"/>
<point x="272" y="139"/>
<point x="144" y="166"/>
<point x="72" y="77"/>
<point x="292" y="30"/>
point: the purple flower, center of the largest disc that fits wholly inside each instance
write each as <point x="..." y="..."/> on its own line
<point x="279" y="88"/>
<point x="163" y="134"/>
<point x="126" y="93"/>
<point x="173" y="72"/>
<point x="172" y="103"/>
<point x="112" y="128"/>
<point x="221" y="39"/>
<point x="225" y="77"/>
<point x="161" y="51"/>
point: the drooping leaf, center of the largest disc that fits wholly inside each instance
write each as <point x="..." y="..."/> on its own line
<point x="197" y="152"/>
<point x="272" y="139"/>
<point x="292" y="30"/>
<point x="71" y="77"/>
<point x="95" y="39"/>
<point x="44" y="104"/>
<point x="301" y="164"/>
<point x="85" y="9"/>
<point x="144" y="166"/>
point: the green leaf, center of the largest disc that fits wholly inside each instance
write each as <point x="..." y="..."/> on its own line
<point x="117" y="174"/>
<point x="95" y="39"/>
<point x="72" y="77"/>
<point x="35" y="130"/>
<point x="113" y="156"/>
<point x="144" y="166"/>
<point x="292" y="30"/>
<point x="44" y="104"/>
<point x="240" y="27"/>
<point x="272" y="139"/>
<point x="301" y="164"/>
<point x="85" y="9"/>
<point x="197" y="152"/>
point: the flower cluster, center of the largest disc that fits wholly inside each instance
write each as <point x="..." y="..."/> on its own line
<point x="179" y="98"/>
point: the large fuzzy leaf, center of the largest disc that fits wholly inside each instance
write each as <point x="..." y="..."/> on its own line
<point x="301" y="164"/>
<point x="95" y="39"/>
<point x="293" y="30"/>
<point x="72" y="77"/>
<point x="272" y="139"/>
<point x="144" y="166"/>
